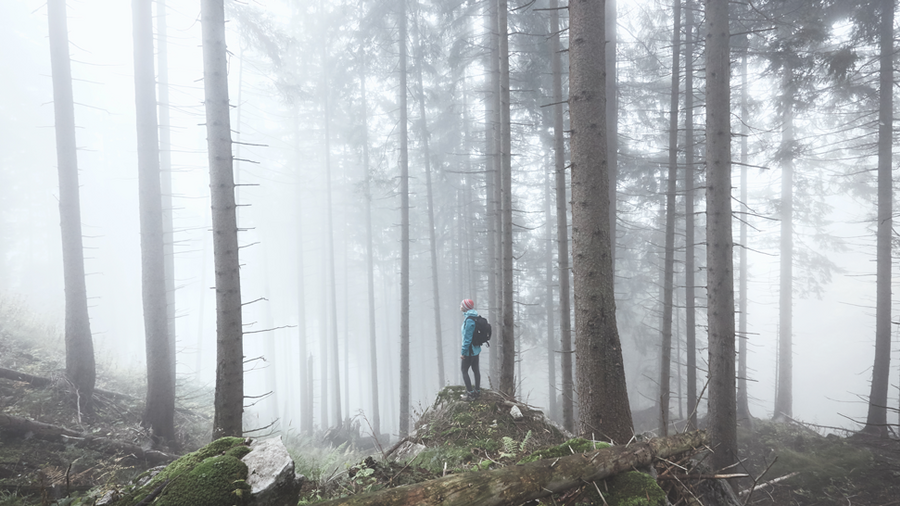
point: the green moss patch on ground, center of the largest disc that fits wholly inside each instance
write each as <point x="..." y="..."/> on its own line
<point x="213" y="475"/>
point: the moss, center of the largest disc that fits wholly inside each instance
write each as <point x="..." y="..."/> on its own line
<point x="216" y="481"/>
<point x="221" y="470"/>
<point x="575" y="445"/>
<point x="634" y="489"/>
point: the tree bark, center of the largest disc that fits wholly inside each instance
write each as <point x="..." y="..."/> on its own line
<point x="690" y="319"/>
<point x="665" y="364"/>
<point x="876" y="419"/>
<point x="562" y="224"/>
<point x="604" y="408"/>
<point x="519" y="484"/>
<point x="507" y="335"/>
<point x="80" y="365"/>
<point x="159" y="412"/>
<point x="743" y="404"/>
<point x="229" y="396"/>
<point x="720" y="267"/>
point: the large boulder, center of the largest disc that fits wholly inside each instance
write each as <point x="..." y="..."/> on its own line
<point x="270" y="473"/>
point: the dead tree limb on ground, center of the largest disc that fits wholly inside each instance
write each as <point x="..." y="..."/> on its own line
<point x="521" y="483"/>
<point x="15" y="424"/>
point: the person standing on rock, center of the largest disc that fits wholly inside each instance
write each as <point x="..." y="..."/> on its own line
<point x="469" y="354"/>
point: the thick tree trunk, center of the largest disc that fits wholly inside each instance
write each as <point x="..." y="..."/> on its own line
<point x="159" y="412"/>
<point x="490" y="168"/>
<point x="404" y="231"/>
<point x="602" y="392"/>
<point x="876" y="419"/>
<point x="515" y="485"/>
<point x="46" y="431"/>
<point x="612" y="120"/>
<point x="80" y="366"/>
<point x="229" y="396"/>
<point x="720" y="267"/>
<point x="665" y="364"/>
<point x="562" y="224"/>
<point x="690" y="319"/>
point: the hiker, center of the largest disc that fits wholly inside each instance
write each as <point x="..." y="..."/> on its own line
<point x="470" y="352"/>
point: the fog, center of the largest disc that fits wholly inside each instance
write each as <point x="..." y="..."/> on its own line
<point x="280" y="164"/>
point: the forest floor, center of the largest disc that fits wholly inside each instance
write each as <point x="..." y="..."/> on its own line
<point x="457" y="437"/>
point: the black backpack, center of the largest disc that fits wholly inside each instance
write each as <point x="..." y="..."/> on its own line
<point x="482" y="333"/>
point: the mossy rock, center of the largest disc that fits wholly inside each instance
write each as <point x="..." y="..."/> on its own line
<point x="212" y="476"/>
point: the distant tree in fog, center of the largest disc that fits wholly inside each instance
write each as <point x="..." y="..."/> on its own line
<point x="80" y="367"/>
<point x="876" y="419"/>
<point x="604" y="406"/>
<point x="159" y="412"/>
<point x="404" y="226"/>
<point x="229" y="396"/>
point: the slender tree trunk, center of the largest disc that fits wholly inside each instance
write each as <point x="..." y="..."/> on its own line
<point x="370" y="264"/>
<point x="665" y="365"/>
<point x="720" y="267"/>
<point x="783" y="395"/>
<point x="497" y="198"/>
<point x="743" y="405"/>
<point x="80" y="367"/>
<point x="491" y="169"/>
<point x="690" y="319"/>
<point x="159" y="412"/>
<point x="404" y="232"/>
<point x="507" y="336"/>
<point x="549" y="306"/>
<point x="306" y="393"/>
<point x="562" y="223"/>
<point x="426" y="153"/>
<point x="335" y="376"/>
<point x="165" y="172"/>
<point x="229" y="396"/>
<point x="604" y="408"/>
<point x="876" y="419"/>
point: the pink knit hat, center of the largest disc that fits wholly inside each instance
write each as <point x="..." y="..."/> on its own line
<point x="466" y="305"/>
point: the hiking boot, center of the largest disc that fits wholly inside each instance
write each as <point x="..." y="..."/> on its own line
<point x="470" y="396"/>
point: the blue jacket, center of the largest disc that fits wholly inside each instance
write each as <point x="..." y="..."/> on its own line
<point x="468" y="329"/>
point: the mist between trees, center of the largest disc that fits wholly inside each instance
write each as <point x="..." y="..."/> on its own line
<point x="377" y="184"/>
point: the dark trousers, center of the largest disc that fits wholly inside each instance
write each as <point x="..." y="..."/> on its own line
<point x="472" y="362"/>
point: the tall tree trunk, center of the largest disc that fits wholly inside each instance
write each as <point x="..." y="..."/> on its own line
<point x="159" y="412"/>
<point x="370" y="264"/>
<point x="491" y="165"/>
<point x="165" y="173"/>
<point x="496" y="197"/>
<point x="665" y="365"/>
<point x="549" y="306"/>
<point x="783" y="399"/>
<point x="507" y="335"/>
<point x="876" y="419"/>
<point x="404" y="232"/>
<point x="604" y="408"/>
<point x="335" y="376"/>
<point x="743" y="404"/>
<point x="229" y="396"/>
<point x="562" y="223"/>
<point x="690" y="318"/>
<point x="720" y="277"/>
<point x="426" y="153"/>
<point x="80" y="366"/>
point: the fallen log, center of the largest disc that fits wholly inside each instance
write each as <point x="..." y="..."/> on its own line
<point x="46" y="431"/>
<point x="41" y="381"/>
<point x="515" y="485"/>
